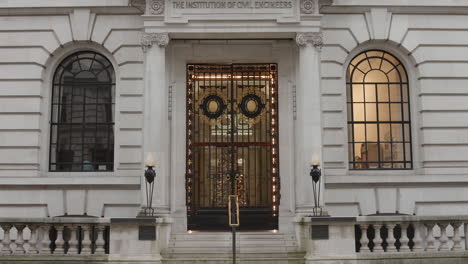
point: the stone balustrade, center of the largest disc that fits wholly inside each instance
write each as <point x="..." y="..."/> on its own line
<point x="57" y="236"/>
<point x="402" y="239"/>
<point x="381" y="234"/>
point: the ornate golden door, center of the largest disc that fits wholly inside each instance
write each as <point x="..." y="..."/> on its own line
<point x="232" y="145"/>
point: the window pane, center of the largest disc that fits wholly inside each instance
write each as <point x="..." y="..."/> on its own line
<point x="386" y="152"/>
<point x="375" y="62"/>
<point x="391" y="59"/>
<point x="371" y="130"/>
<point x="408" y="151"/>
<point x="395" y="112"/>
<point x="364" y="66"/>
<point x="358" y="76"/>
<point x="383" y="91"/>
<point x="358" y="93"/>
<point x="405" y="93"/>
<point x="384" y="112"/>
<point x="371" y="112"/>
<point x="397" y="151"/>
<point x="358" y="112"/>
<point x="397" y="132"/>
<point x="359" y="133"/>
<point x="393" y="76"/>
<point x="394" y="93"/>
<point x="406" y="111"/>
<point x="386" y="66"/>
<point x="384" y="132"/>
<point x="370" y="92"/>
<point x="407" y="133"/>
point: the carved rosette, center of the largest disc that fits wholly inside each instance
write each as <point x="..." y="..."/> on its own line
<point x="313" y="38"/>
<point x="148" y="39"/>
<point x="156" y="7"/>
<point x="307" y="6"/>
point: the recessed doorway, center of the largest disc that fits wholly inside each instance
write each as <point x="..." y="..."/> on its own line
<point x="232" y="145"/>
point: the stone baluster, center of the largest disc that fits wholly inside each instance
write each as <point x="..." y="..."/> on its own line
<point x="6" y="239"/>
<point x="404" y="238"/>
<point x="364" y="240"/>
<point x="32" y="241"/>
<point x="430" y="237"/>
<point x="377" y="238"/>
<point x="45" y="242"/>
<point x="417" y="240"/>
<point x="59" y="243"/>
<point x="391" y="238"/>
<point x="443" y="237"/>
<point x="456" y="236"/>
<point x="86" y="243"/>
<point x="100" y="240"/>
<point x="73" y="242"/>
<point x="19" y="241"/>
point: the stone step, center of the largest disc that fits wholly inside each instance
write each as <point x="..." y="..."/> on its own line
<point x="216" y="247"/>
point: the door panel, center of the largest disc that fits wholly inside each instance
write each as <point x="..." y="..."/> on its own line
<point x="232" y="139"/>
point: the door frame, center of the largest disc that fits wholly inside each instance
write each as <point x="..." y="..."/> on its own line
<point x="183" y="52"/>
<point x="215" y="218"/>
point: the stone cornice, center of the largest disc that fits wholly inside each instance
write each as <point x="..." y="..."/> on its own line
<point x="148" y="39"/>
<point x="313" y="38"/>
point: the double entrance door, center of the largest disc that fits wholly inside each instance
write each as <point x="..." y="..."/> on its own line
<point x="232" y="145"/>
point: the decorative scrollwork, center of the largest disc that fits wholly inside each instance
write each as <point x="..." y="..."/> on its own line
<point x="314" y="38"/>
<point x="148" y="39"/>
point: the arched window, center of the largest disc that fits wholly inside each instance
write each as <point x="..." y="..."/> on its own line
<point x="379" y="125"/>
<point x="82" y="121"/>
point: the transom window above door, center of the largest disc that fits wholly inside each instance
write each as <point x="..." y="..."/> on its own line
<point x="379" y="125"/>
<point x="82" y="116"/>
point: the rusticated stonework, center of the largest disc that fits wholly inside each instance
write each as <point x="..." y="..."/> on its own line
<point x="313" y="38"/>
<point x="148" y="39"/>
<point x="156" y="7"/>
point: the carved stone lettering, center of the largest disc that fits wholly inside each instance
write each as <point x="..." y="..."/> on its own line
<point x="226" y="4"/>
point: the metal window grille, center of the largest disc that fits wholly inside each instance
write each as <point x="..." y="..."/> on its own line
<point x="379" y="125"/>
<point x="82" y="115"/>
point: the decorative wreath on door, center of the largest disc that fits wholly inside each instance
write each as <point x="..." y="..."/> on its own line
<point x="212" y="106"/>
<point x="252" y="105"/>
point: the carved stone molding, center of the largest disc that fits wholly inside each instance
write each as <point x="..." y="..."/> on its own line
<point x="313" y="38"/>
<point x="307" y="6"/>
<point x="138" y="4"/>
<point x="148" y="39"/>
<point x="156" y="7"/>
<point x="312" y="7"/>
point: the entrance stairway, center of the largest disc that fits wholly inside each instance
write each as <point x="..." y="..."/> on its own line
<point x="216" y="248"/>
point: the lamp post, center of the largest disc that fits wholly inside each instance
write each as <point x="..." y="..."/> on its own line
<point x="316" y="173"/>
<point x="150" y="175"/>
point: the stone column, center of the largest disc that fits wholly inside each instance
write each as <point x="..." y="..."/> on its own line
<point x="308" y="128"/>
<point x="156" y="125"/>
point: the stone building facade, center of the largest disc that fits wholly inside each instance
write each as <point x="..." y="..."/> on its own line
<point x="373" y="91"/>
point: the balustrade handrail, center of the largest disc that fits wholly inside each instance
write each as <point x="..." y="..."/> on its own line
<point x="55" y="220"/>
<point x="410" y="218"/>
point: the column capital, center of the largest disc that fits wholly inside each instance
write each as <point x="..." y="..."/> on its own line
<point x="313" y="38"/>
<point x="148" y="39"/>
